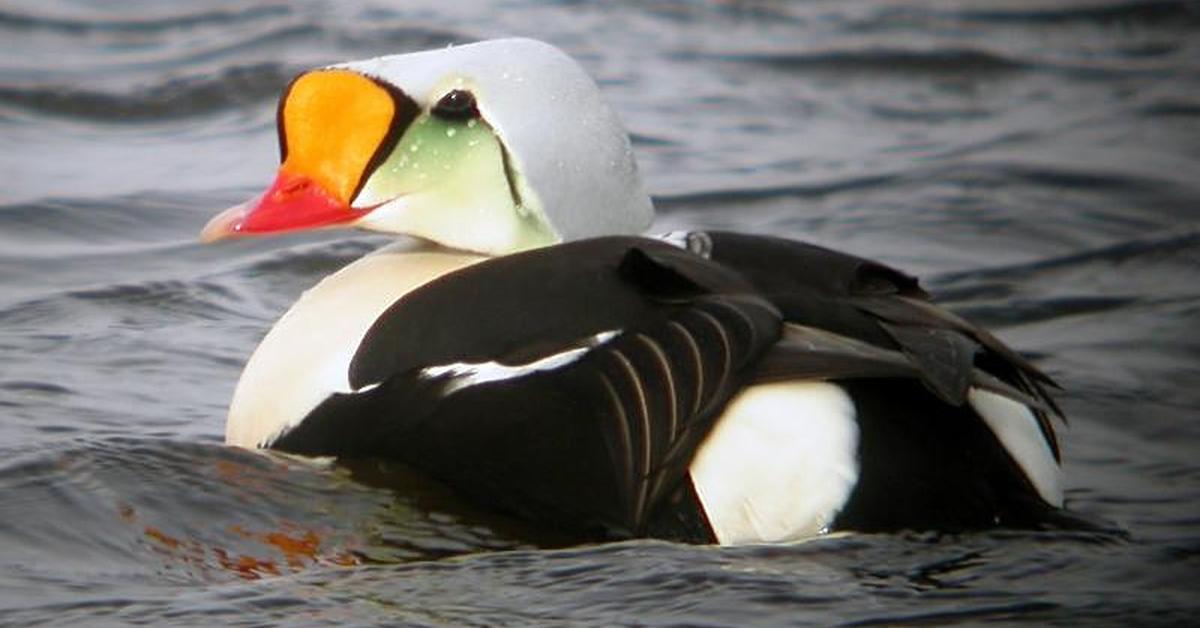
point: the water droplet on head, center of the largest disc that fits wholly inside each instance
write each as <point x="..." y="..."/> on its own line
<point x="471" y="123"/>
<point x="451" y="132"/>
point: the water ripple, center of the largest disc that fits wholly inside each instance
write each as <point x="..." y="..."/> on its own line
<point x="726" y="197"/>
<point x="188" y="19"/>
<point x="876" y="59"/>
<point x="178" y="97"/>
<point x="1183" y="245"/>
<point x="1120" y="11"/>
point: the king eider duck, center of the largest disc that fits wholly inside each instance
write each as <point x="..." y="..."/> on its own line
<point x="527" y="348"/>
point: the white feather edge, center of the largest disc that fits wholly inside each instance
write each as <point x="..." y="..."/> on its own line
<point x="1017" y="429"/>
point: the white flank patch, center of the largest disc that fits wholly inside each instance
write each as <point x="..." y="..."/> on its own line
<point x="779" y="464"/>
<point x="1017" y="429"/>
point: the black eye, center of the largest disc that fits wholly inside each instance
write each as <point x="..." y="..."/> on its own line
<point x="459" y="104"/>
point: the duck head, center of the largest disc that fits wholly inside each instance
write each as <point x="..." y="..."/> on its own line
<point x="493" y="147"/>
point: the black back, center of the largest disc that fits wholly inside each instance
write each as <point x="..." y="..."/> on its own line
<point x="652" y="342"/>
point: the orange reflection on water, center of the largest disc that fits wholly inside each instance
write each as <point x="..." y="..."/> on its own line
<point x="290" y="548"/>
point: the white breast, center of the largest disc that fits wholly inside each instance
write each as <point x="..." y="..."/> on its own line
<point x="306" y="356"/>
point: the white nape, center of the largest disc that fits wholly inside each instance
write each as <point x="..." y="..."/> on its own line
<point x="780" y="463"/>
<point x="1017" y="430"/>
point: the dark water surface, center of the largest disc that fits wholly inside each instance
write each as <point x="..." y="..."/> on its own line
<point x="1038" y="163"/>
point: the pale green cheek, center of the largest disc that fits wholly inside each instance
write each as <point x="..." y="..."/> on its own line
<point x="455" y="171"/>
<point x="430" y="152"/>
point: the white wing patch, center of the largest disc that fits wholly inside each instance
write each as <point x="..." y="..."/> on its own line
<point x="1017" y="430"/>
<point x="780" y="463"/>
<point x="473" y="373"/>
